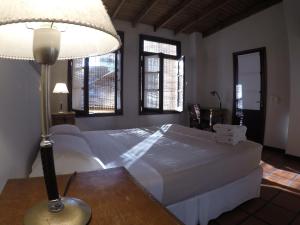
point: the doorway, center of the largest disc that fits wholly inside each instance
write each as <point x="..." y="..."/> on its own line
<point x="249" y="97"/>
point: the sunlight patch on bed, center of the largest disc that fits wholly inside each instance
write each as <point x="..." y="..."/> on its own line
<point x="137" y="151"/>
<point x="135" y="131"/>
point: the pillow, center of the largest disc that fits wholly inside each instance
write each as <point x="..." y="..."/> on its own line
<point x="67" y="163"/>
<point x="66" y="142"/>
<point x="71" y="153"/>
<point x="65" y="129"/>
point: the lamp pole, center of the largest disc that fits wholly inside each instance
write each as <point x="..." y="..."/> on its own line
<point x="215" y="93"/>
<point x="220" y="102"/>
<point x="46" y="54"/>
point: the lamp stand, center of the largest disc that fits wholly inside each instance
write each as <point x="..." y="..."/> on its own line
<point x="55" y="211"/>
<point x="61" y="104"/>
<point x="61" y="108"/>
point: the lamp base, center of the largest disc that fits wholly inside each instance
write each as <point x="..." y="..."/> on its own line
<point x="75" y="212"/>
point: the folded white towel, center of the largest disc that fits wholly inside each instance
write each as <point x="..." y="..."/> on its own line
<point x="234" y="135"/>
<point x="230" y="134"/>
<point x="230" y="139"/>
<point x="227" y="129"/>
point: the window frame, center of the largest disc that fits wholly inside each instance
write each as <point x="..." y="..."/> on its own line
<point x="162" y="56"/>
<point x="85" y="112"/>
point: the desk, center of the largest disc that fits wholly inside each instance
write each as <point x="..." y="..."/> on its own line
<point x="211" y="116"/>
<point x="113" y="194"/>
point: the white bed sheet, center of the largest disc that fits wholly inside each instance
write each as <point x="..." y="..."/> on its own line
<point x="205" y="207"/>
<point x="173" y="162"/>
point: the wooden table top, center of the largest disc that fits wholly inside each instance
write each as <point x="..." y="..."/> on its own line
<point x="113" y="194"/>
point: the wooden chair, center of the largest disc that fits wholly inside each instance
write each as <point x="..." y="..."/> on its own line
<point x="195" y="119"/>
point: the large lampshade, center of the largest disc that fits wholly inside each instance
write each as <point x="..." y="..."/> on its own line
<point x="85" y="27"/>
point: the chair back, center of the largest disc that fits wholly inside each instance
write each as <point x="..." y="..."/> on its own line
<point x="195" y="112"/>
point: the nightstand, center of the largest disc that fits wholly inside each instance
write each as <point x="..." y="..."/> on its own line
<point x="113" y="194"/>
<point x="63" y="118"/>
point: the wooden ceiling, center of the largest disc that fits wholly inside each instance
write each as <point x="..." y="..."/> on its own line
<point x="187" y="16"/>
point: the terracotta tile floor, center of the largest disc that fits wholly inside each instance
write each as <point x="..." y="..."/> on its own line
<point x="279" y="203"/>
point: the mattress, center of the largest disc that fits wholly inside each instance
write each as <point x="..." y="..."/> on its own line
<point x="175" y="162"/>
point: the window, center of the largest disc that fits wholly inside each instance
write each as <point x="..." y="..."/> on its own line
<point x="96" y="84"/>
<point x="161" y="75"/>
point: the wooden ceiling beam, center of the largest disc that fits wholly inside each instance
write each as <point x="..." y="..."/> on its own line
<point x="242" y="15"/>
<point x="172" y="14"/>
<point x="208" y="12"/>
<point x="117" y="10"/>
<point x="144" y="11"/>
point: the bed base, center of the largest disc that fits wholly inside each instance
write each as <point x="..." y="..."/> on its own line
<point x="205" y="207"/>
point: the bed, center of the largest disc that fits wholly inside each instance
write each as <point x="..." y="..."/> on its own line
<point x="185" y="169"/>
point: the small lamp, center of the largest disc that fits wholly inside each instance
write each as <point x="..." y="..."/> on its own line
<point x="60" y="88"/>
<point x="47" y="31"/>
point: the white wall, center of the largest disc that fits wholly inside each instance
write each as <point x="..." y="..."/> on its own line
<point x="19" y="118"/>
<point x="264" y="29"/>
<point x="291" y="8"/>
<point x="196" y="68"/>
<point x="130" y="117"/>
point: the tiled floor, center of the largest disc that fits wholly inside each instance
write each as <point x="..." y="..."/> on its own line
<point x="279" y="203"/>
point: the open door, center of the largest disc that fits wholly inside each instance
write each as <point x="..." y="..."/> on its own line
<point x="249" y="107"/>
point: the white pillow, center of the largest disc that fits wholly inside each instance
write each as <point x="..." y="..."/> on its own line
<point x="65" y="129"/>
<point x="66" y="142"/>
<point x="68" y="163"/>
<point x="71" y="153"/>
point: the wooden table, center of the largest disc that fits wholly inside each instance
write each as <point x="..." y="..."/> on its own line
<point x="114" y="196"/>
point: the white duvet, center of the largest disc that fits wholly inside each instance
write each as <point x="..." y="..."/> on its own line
<point x="174" y="162"/>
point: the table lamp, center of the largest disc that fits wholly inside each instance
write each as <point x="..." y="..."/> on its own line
<point x="60" y="88"/>
<point x="46" y="31"/>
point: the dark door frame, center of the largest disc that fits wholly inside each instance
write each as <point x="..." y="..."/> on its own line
<point x="263" y="94"/>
